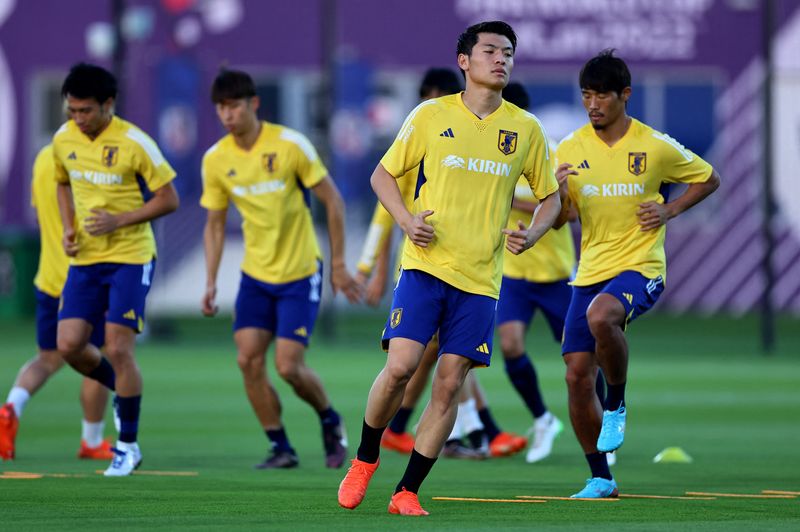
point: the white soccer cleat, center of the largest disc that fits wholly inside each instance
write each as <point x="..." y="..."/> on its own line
<point x="545" y="430"/>
<point x="611" y="458"/>
<point x="127" y="458"/>
<point x="115" y="411"/>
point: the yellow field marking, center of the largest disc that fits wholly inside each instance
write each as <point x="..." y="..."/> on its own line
<point x="160" y="473"/>
<point x="549" y="498"/>
<point x="740" y="495"/>
<point x="633" y="496"/>
<point x="780" y="492"/>
<point x="473" y="499"/>
<point x="19" y="475"/>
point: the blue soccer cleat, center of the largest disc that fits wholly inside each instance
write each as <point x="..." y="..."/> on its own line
<point x="597" y="488"/>
<point x="613" y="432"/>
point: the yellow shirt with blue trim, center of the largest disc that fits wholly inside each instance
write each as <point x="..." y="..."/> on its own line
<point x="111" y="172"/>
<point x="53" y="262"/>
<point x="382" y="223"/>
<point x="469" y="168"/>
<point x="269" y="186"/>
<point x="551" y="259"/>
<point x="610" y="185"/>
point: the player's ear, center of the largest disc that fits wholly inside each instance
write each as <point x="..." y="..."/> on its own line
<point x="255" y="102"/>
<point x="626" y="94"/>
<point x="463" y="62"/>
<point x="107" y="105"/>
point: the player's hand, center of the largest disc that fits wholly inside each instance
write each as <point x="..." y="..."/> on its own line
<point x="70" y="242"/>
<point x="518" y="240"/>
<point x="563" y="171"/>
<point x="209" y="306"/>
<point x="652" y="215"/>
<point x="418" y="230"/>
<point x="342" y="281"/>
<point x="101" y="222"/>
<point x="375" y="289"/>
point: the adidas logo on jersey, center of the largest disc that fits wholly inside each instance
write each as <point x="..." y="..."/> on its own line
<point x="231" y="173"/>
<point x="447" y="133"/>
<point x="130" y="315"/>
<point x="483" y="348"/>
<point x="72" y="156"/>
<point x="584" y="165"/>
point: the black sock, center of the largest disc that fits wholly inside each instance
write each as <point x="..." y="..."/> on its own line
<point x="280" y="441"/>
<point x="128" y="408"/>
<point x="523" y="377"/>
<point x="600" y="387"/>
<point x="616" y="396"/>
<point x="476" y="438"/>
<point x="399" y="422"/>
<point x="329" y="418"/>
<point x="370" y="447"/>
<point x="418" y="468"/>
<point x="489" y="426"/>
<point x="104" y="374"/>
<point x="598" y="463"/>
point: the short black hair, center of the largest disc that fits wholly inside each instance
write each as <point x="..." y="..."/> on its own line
<point x="515" y="93"/>
<point x="232" y="85"/>
<point x="605" y="73"/>
<point x="86" y="81"/>
<point x="468" y="39"/>
<point x="444" y="80"/>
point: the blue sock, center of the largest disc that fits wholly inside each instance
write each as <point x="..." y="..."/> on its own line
<point x="616" y="396"/>
<point x="598" y="463"/>
<point x="329" y="418"/>
<point x="489" y="425"/>
<point x="104" y="374"/>
<point x="399" y="422"/>
<point x="280" y="442"/>
<point x="523" y="377"/>
<point x="129" y="417"/>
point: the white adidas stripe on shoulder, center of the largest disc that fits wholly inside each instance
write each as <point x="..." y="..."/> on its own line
<point x="61" y="130"/>
<point x="301" y="141"/>
<point x="411" y="115"/>
<point x="148" y="145"/>
<point x="211" y="150"/>
<point x="686" y="154"/>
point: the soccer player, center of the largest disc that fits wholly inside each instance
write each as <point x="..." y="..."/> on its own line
<point x="620" y="170"/>
<point x="112" y="180"/>
<point x="538" y="280"/>
<point x="267" y="170"/>
<point x="49" y="281"/>
<point x="471" y="148"/>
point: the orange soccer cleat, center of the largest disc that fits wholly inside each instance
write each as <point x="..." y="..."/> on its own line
<point x="402" y="442"/>
<point x="355" y="482"/>
<point x="506" y="444"/>
<point x="405" y="503"/>
<point x="9" y="423"/>
<point x="101" y="452"/>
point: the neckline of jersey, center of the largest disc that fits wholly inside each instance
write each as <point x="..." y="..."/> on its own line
<point x="621" y="142"/>
<point x="473" y="116"/>
<point x="261" y="135"/>
<point x="113" y="123"/>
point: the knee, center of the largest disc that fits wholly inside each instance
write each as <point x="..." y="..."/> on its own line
<point x="289" y="370"/>
<point x="250" y="364"/>
<point x="69" y="345"/>
<point x="579" y="380"/>
<point x="50" y="361"/>
<point x="511" y="346"/>
<point x="600" y="320"/>
<point x="398" y="373"/>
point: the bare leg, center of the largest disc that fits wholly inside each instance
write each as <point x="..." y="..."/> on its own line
<point x="419" y="381"/>
<point x="252" y="344"/>
<point x="387" y="391"/>
<point x="585" y="410"/>
<point x="291" y="366"/>
<point x="606" y="316"/>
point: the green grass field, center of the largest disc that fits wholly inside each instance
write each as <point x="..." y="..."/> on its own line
<point x="698" y="384"/>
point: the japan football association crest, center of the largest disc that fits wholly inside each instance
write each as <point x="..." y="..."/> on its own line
<point x="394" y="319"/>
<point x="110" y="155"/>
<point x="637" y="162"/>
<point x="507" y="141"/>
<point x="270" y="162"/>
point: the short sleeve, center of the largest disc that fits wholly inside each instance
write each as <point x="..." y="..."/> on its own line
<point x="310" y="169"/>
<point x="214" y="197"/>
<point x="538" y="168"/>
<point x="149" y="162"/>
<point x="681" y="165"/>
<point x="408" y="148"/>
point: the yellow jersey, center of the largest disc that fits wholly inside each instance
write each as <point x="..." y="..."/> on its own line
<point x="269" y="186"/>
<point x="111" y="172"/>
<point x="610" y="185"/>
<point x="53" y="262"/>
<point x="469" y="168"/>
<point x="382" y="223"/>
<point x="551" y="259"/>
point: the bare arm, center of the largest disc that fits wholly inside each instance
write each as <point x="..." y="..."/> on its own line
<point x="213" y="243"/>
<point x="66" y="208"/>
<point x="525" y="237"/>
<point x="385" y="186"/>
<point x="653" y="215"/>
<point x="341" y="280"/>
<point x="377" y="284"/>
<point x="164" y="201"/>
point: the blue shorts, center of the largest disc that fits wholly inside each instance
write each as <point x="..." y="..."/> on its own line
<point x="636" y="292"/>
<point x="519" y="300"/>
<point x="423" y="304"/>
<point x="107" y="290"/>
<point x="288" y="310"/>
<point x="47" y="324"/>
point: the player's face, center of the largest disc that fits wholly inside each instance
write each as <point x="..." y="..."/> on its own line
<point x="490" y="62"/>
<point x="237" y="115"/>
<point x="89" y="115"/>
<point x="604" y="108"/>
